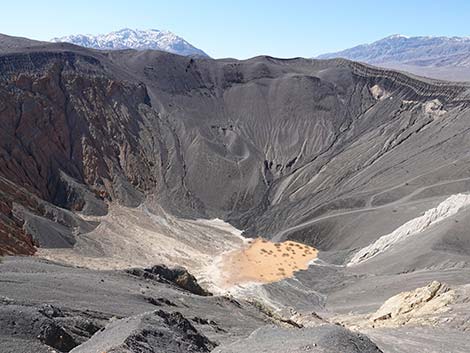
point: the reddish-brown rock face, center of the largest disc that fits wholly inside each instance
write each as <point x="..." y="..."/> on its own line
<point x="61" y="122"/>
<point x="13" y="239"/>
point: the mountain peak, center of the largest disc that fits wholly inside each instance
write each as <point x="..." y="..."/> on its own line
<point x="396" y="36"/>
<point x="127" y="38"/>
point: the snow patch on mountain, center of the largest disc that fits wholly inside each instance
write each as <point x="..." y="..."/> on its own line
<point x="445" y="209"/>
<point x="135" y="39"/>
<point x="395" y="36"/>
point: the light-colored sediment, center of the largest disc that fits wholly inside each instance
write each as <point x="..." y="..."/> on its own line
<point x="444" y="210"/>
<point x="139" y="237"/>
<point x="262" y="261"/>
<point x="425" y="306"/>
<point x="212" y="250"/>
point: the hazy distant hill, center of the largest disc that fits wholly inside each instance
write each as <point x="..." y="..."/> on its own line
<point x="438" y="57"/>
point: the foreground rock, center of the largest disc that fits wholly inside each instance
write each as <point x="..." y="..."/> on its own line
<point x="153" y="332"/>
<point x="321" y="339"/>
<point x="427" y="305"/>
<point x="85" y="301"/>
<point x="45" y="326"/>
<point x="112" y="311"/>
<point x="414" y="306"/>
<point x="433" y="318"/>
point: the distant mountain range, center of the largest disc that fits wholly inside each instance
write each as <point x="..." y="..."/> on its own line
<point x="437" y="57"/>
<point x="446" y="58"/>
<point x="135" y="39"/>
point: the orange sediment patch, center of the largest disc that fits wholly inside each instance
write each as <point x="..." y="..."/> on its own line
<point x="264" y="261"/>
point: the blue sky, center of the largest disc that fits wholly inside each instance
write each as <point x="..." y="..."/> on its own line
<point x="243" y="28"/>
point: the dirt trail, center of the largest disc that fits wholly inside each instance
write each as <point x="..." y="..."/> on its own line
<point x="403" y="200"/>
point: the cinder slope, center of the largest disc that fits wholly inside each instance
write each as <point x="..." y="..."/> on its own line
<point x="266" y="144"/>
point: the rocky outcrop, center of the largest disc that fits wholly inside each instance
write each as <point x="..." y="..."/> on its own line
<point x="153" y="332"/>
<point x="414" y="306"/>
<point x="63" y="137"/>
<point x="177" y="276"/>
<point x="421" y="87"/>
<point x="13" y="239"/>
<point x="27" y="222"/>
<point x="47" y="324"/>
<point x="434" y="305"/>
<point x="77" y="120"/>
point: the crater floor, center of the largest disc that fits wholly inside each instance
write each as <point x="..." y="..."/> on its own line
<point x="264" y="261"/>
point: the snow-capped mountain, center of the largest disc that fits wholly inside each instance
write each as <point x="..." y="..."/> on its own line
<point x="439" y="57"/>
<point x="135" y="39"/>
